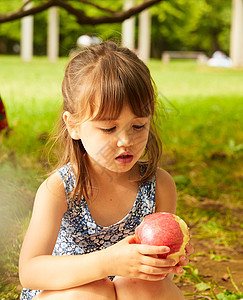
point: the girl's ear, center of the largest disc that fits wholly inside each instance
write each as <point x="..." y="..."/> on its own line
<point x="72" y="129"/>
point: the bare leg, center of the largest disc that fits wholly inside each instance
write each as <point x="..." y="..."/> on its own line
<point x="98" y="290"/>
<point x="133" y="289"/>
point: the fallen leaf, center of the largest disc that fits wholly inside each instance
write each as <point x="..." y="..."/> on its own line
<point x="226" y="277"/>
<point x="203" y="286"/>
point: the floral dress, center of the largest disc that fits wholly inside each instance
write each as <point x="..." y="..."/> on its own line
<point x="79" y="234"/>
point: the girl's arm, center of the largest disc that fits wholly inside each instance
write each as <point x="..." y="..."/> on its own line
<point x="165" y="196"/>
<point x="38" y="269"/>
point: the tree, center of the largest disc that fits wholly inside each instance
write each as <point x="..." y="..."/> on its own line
<point x="202" y="25"/>
<point x="77" y="9"/>
<point x="191" y="25"/>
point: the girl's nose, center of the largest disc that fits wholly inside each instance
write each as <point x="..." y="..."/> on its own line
<point x="124" y="139"/>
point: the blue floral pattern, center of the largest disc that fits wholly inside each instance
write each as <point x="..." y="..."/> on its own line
<point x="79" y="234"/>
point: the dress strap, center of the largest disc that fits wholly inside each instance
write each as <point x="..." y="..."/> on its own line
<point x="68" y="178"/>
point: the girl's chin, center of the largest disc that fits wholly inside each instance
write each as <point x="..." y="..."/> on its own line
<point x="119" y="169"/>
<point x="114" y="167"/>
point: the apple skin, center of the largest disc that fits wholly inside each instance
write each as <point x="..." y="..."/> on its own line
<point x="164" y="229"/>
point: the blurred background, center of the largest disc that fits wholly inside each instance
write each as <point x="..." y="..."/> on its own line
<point x="194" y="50"/>
<point x="176" y="25"/>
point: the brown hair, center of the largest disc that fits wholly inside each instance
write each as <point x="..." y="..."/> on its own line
<point x="116" y="76"/>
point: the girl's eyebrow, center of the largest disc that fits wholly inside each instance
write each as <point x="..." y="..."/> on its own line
<point x="111" y="119"/>
<point x="103" y="120"/>
<point x="106" y="119"/>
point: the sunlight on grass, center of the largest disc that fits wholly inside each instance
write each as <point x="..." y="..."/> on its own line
<point x="32" y="96"/>
<point x="201" y="128"/>
<point x="184" y="81"/>
<point x="202" y="99"/>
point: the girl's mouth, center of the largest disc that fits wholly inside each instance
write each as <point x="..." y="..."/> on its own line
<point x="124" y="158"/>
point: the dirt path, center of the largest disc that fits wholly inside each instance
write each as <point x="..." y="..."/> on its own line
<point x="214" y="271"/>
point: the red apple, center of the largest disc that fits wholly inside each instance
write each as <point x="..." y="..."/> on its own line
<point x="164" y="229"/>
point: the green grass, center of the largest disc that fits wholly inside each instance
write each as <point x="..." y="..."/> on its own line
<point x="203" y="99"/>
<point x="202" y="137"/>
<point x="184" y="81"/>
<point x="32" y="95"/>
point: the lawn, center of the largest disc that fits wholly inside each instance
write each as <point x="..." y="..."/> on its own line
<point x="201" y="126"/>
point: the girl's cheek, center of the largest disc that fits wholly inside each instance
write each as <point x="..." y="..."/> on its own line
<point x="141" y="139"/>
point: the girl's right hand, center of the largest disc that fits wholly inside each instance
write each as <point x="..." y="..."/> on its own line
<point x="128" y="259"/>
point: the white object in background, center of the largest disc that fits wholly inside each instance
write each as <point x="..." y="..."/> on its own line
<point x="236" y="43"/>
<point x="26" y="43"/>
<point x="53" y="34"/>
<point x="144" y="35"/>
<point x="128" y="28"/>
<point x="219" y="59"/>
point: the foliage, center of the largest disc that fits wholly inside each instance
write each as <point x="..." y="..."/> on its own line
<point x="209" y="288"/>
<point x="8" y="292"/>
<point x="192" y="25"/>
<point x="176" y="25"/>
<point x="69" y="30"/>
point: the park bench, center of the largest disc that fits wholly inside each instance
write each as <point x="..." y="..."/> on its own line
<point x="198" y="55"/>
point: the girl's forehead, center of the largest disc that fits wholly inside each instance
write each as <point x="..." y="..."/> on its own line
<point x="101" y="112"/>
<point x="126" y="112"/>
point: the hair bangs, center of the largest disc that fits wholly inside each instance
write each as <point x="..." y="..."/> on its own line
<point x="121" y="86"/>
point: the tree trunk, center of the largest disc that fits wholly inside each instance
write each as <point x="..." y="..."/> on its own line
<point x="236" y="46"/>
<point x="53" y="34"/>
<point x="144" y="38"/>
<point x="26" y="45"/>
<point x="128" y="28"/>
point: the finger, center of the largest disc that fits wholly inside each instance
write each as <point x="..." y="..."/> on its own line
<point x="178" y="270"/>
<point x="155" y="270"/>
<point x="128" y="240"/>
<point x="131" y="239"/>
<point x="189" y="249"/>
<point x="152" y="250"/>
<point x="184" y="260"/>
<point x="157" y="262"/>
<point x="152" y="277"/>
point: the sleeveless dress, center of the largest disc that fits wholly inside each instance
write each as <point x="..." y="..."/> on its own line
<point x="79" y="234"/>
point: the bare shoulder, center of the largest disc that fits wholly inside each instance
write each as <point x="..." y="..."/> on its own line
<point x="165" y="196"/>
<point x="52" y="192"/>
<point x="164" y="178"/>
<point x="53" y="183"/>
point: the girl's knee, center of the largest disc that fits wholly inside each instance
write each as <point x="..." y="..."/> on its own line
<point x="164" y="289"/>
<point x="131" y="289"/>
<point x="101" y="290"/>
<point x="98" y="290"/>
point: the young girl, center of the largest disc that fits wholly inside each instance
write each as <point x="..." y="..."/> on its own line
<point x="80" y="241"/>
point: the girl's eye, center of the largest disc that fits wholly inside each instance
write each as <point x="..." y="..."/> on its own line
<point x="138" y="127"/>
<point x="108" y="130"/>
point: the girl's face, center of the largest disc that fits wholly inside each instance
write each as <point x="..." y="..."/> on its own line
<point x="114" y="145"/>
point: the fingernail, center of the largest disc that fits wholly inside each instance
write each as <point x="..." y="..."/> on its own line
<point x="181" y="271"/>
<point x="167" y="249"/>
